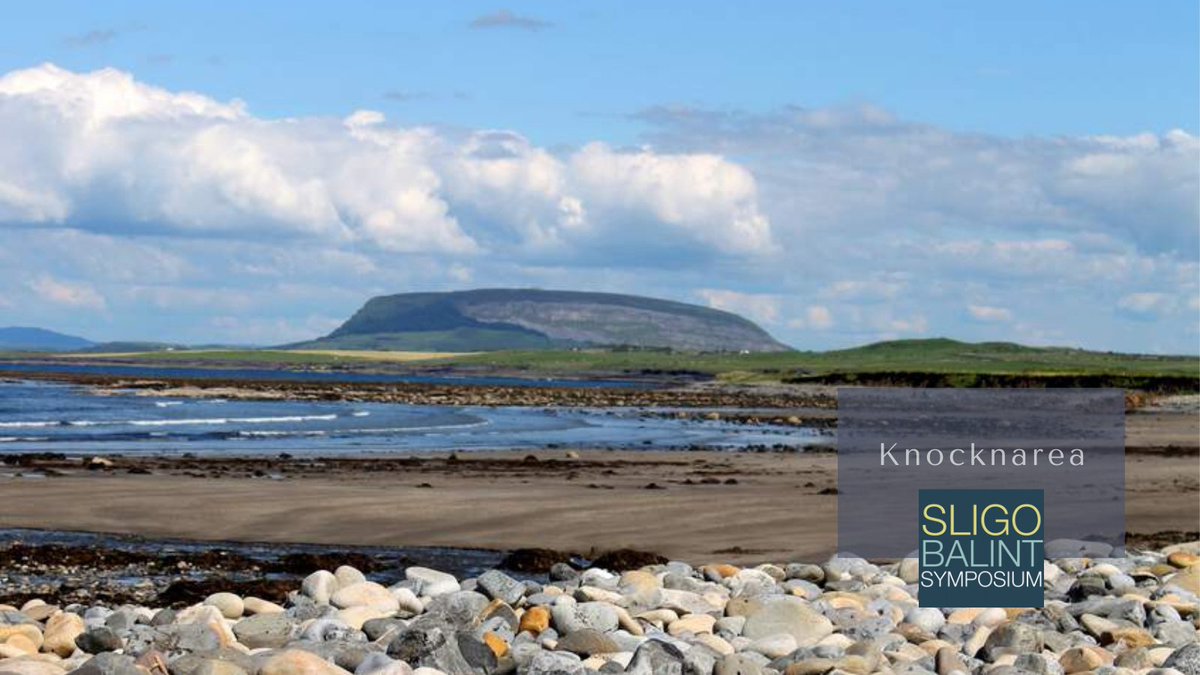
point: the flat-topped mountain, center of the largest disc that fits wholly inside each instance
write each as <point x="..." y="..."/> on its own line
<point x="504" y="318"/>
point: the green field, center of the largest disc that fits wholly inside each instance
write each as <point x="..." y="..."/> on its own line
<point x="902" y="356"/>
<point x="953" y="363"/>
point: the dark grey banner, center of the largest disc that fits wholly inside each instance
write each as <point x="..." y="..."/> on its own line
<point x="892" y="443"/>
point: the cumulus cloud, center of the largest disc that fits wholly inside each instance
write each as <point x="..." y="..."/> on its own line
<point x="814" y="317"/>
<point x="68" y="294"/>
<point x="762" y="308"/>
<point x="1147" y="303"/>
<point x="859" y="168"/>
<point x="103" y="152"/>
<point x="171" y="207"/>
<point x="989" y="314"/>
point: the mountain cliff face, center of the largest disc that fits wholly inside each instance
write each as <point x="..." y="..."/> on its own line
<point x="492" y="319"/>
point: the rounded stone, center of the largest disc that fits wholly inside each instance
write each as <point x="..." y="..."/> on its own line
<point x="1083" y="659"/>
<point x="1186" y="659"/>
<point x="255" y="605"/>
<point x="347" y="576"/>
<point x="535" y="620"/>
<point x="264" y="630"/>
<point x="230" y="605"/>
<point x="319" y="586"/>
<point x="586" y="642"/>
<point x="365" y="594"/>
<point x="100" y="639"/>
<point x="433" y="582"/>
<point x="60" y="634"/>
<point x="785" y="615"/>
<point x="297" y="662"/>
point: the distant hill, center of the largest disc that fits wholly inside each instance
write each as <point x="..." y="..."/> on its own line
<point x="26" y="339"/>
<point x="528" y="319"/>
<point x="127" y="346"/>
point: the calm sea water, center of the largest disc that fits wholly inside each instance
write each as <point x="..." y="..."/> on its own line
<point x="39" y="416"/>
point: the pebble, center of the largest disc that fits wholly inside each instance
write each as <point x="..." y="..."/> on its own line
<point x="433" y="582"/>
<point x="785" y="615"/>
<point x="61" y="631"/>
<point x="535" y="620"/>
<point x="298" y="662"/>
<point x="230" y="605"/>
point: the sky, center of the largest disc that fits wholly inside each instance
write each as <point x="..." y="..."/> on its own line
<point x="839" y="172"/>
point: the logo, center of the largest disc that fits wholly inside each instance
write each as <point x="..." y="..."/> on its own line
<point x="981" y="548"/>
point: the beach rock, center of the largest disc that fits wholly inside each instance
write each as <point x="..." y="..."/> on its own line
<point x="555" y="663"/>
<point x="1187" y="579"/>
<point x="28" y="631"/>
<point x="365" y="594"/>
<point x="535" y="620"/>
<point x="271" y="631"/>
<point x="1083" y="659"/>
<point x="100" y="639"/>
<point x="458" y="608"/>
<point x="692" y="623"/>
<point x="499" y="586"/>
<point x="587" y="641"/>
<point x="1186" y="659"/>
<point x="106" y="664"/>
<point x="1012" y="638"/>
<point x="30" y="667"/>
<point x="655" y="657"/>
<point x="298" y="662"/>
<point x="736" y="664"/>
<point x="595" y="615"/>
<point x="1175" y="559"/>
<point x="785" y="615"/>
<point x="928" y="619"/>
<point x="432" y="582"/>
<point x="17" y="646"/>
<point x="229" y="604"/>
<point x="947" y="661"/>
<point x="348" y="576"/>
<point x="217" y="667"/>
<point x="478" y="653"/>
<point x="60" y="634"/>
<point x="430" y="645"/>
<point x="319" y="586"/>
<point x="253" y="605"/>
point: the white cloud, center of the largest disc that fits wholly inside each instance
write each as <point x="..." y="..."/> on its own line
<point x="759" y="307"/>
<point x="861" y="289"/>
<point x="68" y="294"/>
<point x="989" y="314"/>
<point x="1147" y="303"/>
<point x="698" y="193"/>
<point x="171" y="207"/>
<point x="101" y="151"/>
<point x="815" y="317"/>
<point x="843" y="170"/>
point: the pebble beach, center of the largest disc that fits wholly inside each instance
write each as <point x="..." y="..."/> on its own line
<point x="1134" y="615"/>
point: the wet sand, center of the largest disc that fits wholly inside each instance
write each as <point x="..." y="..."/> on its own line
<point x="693" y="506"/>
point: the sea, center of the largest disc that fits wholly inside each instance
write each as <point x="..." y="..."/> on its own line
<point x="39" y="416"/>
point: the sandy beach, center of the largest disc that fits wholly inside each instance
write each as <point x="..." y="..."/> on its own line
<point x="693" y="506"/>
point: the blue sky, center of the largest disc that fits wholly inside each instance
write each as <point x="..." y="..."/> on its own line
<point x="842" y="172"/>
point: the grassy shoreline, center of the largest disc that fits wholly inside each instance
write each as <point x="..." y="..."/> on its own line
<point x="935" y="362"/>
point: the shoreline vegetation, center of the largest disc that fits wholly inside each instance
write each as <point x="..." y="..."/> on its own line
<point x="923" y="363"/>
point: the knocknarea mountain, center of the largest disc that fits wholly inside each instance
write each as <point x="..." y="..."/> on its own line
<point x="494" y="319"/>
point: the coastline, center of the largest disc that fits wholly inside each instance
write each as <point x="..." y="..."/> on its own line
<point x="693" y="506"/>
